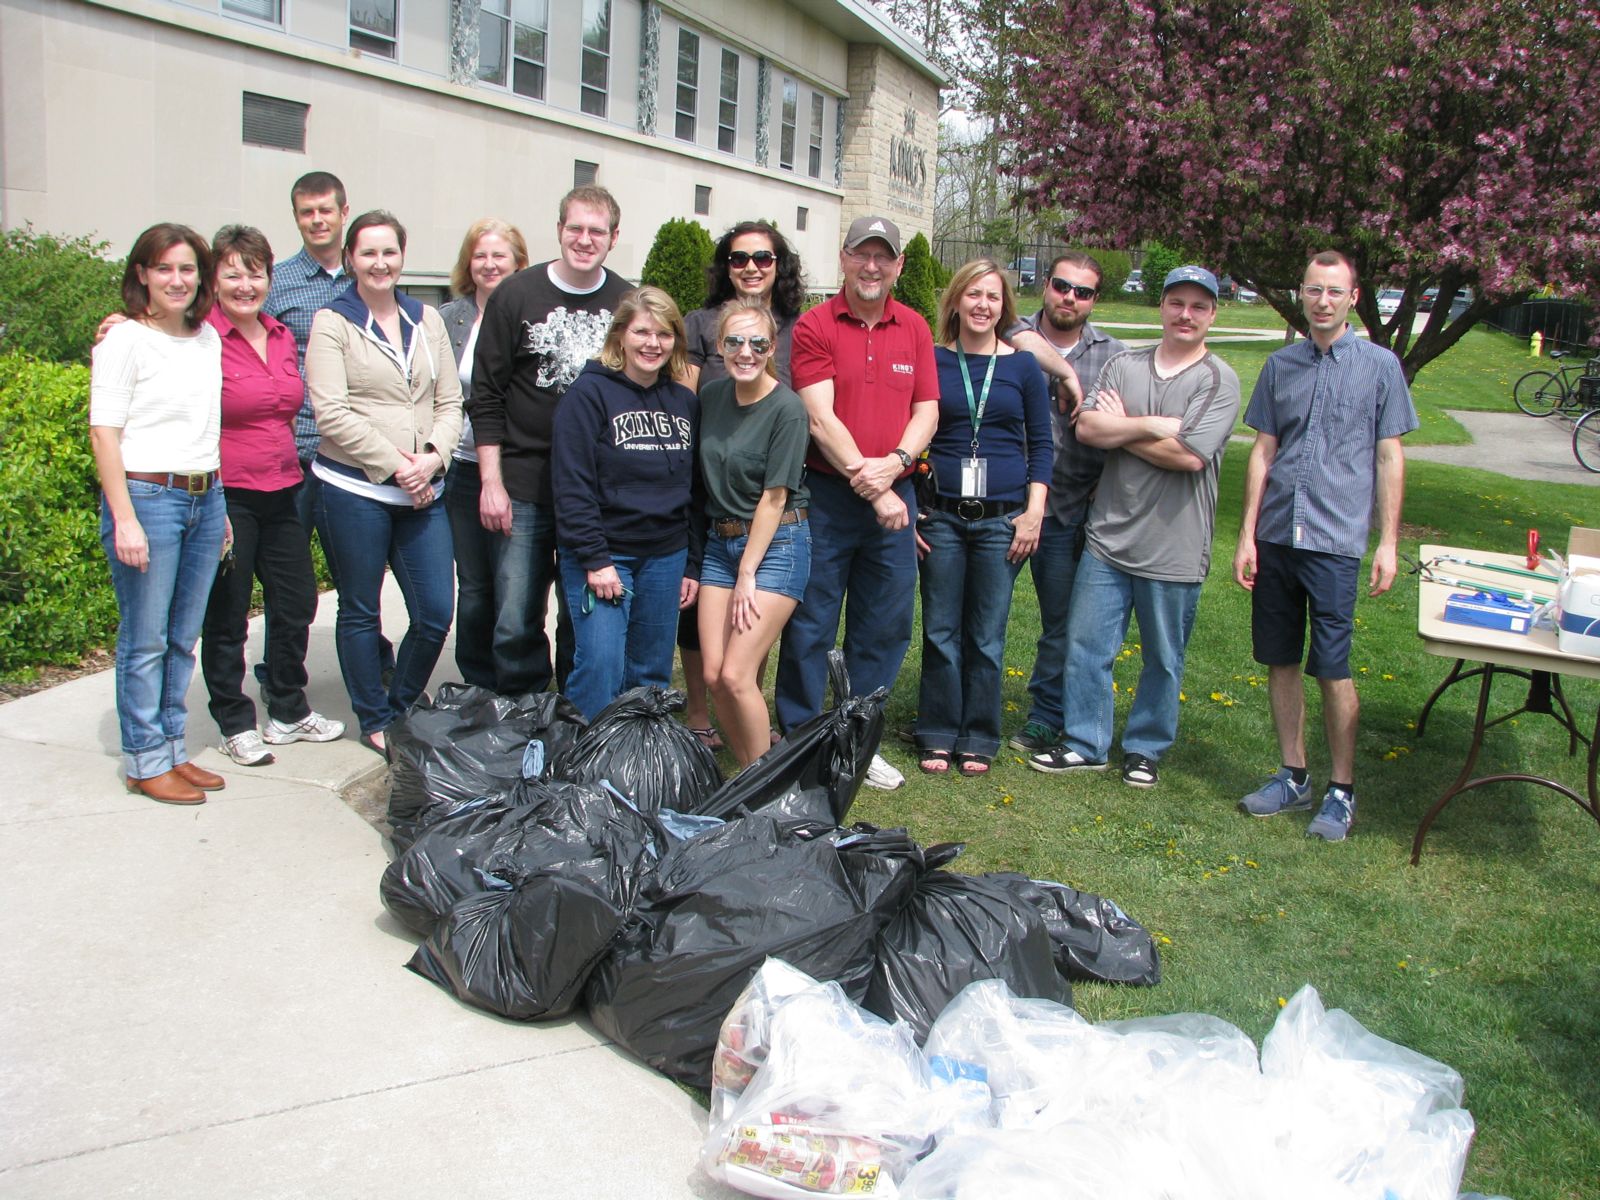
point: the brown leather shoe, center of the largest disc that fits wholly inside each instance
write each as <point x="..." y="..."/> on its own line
<point x="166" y="788"/>
<point x="206" y="781"/>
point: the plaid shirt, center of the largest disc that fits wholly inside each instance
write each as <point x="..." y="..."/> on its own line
<point x="300" y="286"/>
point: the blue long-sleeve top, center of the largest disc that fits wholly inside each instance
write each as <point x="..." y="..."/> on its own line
<point x="1015" y="435"/>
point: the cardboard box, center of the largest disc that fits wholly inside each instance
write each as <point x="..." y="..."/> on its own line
<point x="1578" y="600"/>
<point x="1488" y="612"/>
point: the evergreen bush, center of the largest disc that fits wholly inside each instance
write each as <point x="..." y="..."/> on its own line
<point x="677" y="262"/>
<point x="53" y="293"/>
<point x="918" y="285"/>
<point x="1159" y="261"/>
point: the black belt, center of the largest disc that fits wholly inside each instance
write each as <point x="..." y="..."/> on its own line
<point x="196" y="483"/>
<point x="975" y="510"/>
<point x="732" y="528"/>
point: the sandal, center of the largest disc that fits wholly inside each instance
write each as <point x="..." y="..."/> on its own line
<point x="973" y="764"/>
<point x="707" y="737"/>
<point x="934" y="762"/>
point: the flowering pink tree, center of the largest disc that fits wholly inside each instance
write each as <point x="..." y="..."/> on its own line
<point x="1440" y="144"/>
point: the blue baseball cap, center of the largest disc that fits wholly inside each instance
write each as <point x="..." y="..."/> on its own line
<point x="1191" y="274"/>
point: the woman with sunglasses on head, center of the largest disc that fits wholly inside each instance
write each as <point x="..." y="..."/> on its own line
<point x="491" y="253"/>
<point x="623" y="470"/>
<point x="155" y="419"/>
<point x="752" y="261"/>
<point x="753" y="438"/>
<point x="388" y="403"/>
<point x="991" y="457"/>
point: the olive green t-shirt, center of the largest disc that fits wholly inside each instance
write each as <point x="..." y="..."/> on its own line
<point x="746" y="449"/>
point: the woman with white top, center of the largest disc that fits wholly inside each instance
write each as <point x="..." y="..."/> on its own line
<point x="388" y="403"/>
<point x="155" y="419"/>
<point x="491" y="251"/>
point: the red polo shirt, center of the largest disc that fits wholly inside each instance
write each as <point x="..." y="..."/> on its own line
<point x="877" y="373"/>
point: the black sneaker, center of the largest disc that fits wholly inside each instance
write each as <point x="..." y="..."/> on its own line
<point x="1139" y="771"/>
<point x="1058" y="759"/>
<point x="1034" y="737"/>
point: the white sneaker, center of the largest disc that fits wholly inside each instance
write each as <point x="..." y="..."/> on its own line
<point x="313" y="727"/>
<point x="882" y="776"/>
<point x="246" y="749"/>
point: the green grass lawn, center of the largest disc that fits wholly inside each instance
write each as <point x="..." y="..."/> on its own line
<point x="1484" y="956"/>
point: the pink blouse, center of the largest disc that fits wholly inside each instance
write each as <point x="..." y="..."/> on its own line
<point x="259" y="401"/>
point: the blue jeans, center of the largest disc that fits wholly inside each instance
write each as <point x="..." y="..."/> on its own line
<point x="159" y="612"/>
<point x="966" y="601"/>
<point x="524" y="569"/>
<point x="1054" y="565"/>
<point x="477" y="552"/>
<point x="626" y="644"/>
<point x="363" y="536"/>
<point x="1102" y="599"/>
<point x="850" y="553"/>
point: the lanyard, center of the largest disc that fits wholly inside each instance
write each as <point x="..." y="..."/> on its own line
<point x="975" y="407"/>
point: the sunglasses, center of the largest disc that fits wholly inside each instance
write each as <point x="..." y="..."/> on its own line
<point x="743" y="258"/>
<point x="589" y="598"/>
<point x="1076" y="289"/>
<point x="734" y="342"/>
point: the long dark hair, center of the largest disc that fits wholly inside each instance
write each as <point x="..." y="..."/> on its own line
<point x="147" y="251"/>
<point x="788" y="289"/>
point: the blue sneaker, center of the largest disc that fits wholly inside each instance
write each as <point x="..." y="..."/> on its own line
<point x="1280" y="794"/>
<point x="1334" y="818"/>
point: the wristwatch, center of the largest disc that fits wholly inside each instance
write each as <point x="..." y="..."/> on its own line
<point x="905" y="459"/>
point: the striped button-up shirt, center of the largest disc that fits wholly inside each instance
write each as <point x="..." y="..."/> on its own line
<point x="300" y="286"/>
<point x="1328" y="410"/>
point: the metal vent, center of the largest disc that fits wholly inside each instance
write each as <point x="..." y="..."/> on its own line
<point x="280" y="124"/>
<point x="583" y="173"/>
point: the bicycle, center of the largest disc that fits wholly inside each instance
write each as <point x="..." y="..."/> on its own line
<point x="1540" y="393"/>
<point x="1586" y="441"/>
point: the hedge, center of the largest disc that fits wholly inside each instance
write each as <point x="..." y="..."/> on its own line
<point x="53" y="293"/>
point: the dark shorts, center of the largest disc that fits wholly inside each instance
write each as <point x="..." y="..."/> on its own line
<point x="1292" y="584"/>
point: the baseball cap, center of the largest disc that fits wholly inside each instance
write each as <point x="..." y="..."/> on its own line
<point x="1191" y="274"/>
<point x="864" y="229"/>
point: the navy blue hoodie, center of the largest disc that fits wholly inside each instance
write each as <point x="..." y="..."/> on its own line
<point x="622" y="463"/>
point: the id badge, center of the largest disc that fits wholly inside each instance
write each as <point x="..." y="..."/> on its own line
<point x="974" y="478"/>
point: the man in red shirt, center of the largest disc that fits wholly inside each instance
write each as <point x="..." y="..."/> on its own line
<point x="863" y="364"/>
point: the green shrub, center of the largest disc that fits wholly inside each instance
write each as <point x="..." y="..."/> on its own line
<point x="1159" y="260"/>
<point x="918" y="284"/>
<point x="56" y="601"/>
<point x="678" y="260"/>
<point x="1114" y="268"/>
<point x="53" y="293"/>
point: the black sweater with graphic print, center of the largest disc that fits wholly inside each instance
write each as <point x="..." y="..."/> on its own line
<point x="623" y="465"/>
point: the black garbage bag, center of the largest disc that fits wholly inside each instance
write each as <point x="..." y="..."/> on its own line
<point x="955" y="930"/>
<point x="579" y="831"/>
<point x="1093" y="938"/>
<point x="523" y="951"/>
<point x="719" y="905"/>
<point x="636" y="746"/>
<point x="469" y="743"/>
<point x="815" y="772"/>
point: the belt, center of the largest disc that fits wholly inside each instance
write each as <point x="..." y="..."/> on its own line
<point x="975" y="510"/>
<point x="196" y="483"/>
<point x="734" y="528"/>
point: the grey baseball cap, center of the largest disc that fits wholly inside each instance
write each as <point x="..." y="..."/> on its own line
<point x="1191" y="274"/>
<point x="864" y="229"/>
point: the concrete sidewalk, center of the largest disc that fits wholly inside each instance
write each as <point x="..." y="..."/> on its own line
<point x="211" y="1002"/>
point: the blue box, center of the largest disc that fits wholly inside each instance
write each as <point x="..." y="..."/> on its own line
<point x="1488" y="611"/>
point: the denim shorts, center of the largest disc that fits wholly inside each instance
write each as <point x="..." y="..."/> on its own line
<point x="784" y="568"/>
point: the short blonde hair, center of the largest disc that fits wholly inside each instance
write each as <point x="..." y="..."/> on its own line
<point x="660" y="307"/>
<point x="461" y="274"/>
<point x="749" y="306"/>
<point x="965" y="276"/>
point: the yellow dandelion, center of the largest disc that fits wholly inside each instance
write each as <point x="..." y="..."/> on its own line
<point x="1403" y="964"/>
<point x="1388" y="678"/>
<point x="1007" y="800"/>
<point x="1282" y="1002"/>
<point x="1251" y="863"/>
<point x="1216" y="696"/>
<point x="1183" y="697"/>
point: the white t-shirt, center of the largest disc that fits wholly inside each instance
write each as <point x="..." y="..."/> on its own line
<point x="164" y="393"/>
<point x="467" y="448"/>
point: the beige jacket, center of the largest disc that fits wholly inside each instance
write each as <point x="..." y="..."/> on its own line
<point x="370" y="402"/>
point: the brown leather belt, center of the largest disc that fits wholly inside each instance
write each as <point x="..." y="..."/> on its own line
<point x="196" y="483"/>
<point x="734" y="528"/>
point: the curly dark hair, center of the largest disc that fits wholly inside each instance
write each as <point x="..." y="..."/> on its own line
<point x="788" y="289"/>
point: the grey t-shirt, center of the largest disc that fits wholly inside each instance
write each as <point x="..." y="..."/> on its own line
<point x="1146" y="520"/>
<point x="747" y="448"/>
<point x="700" y="334"/>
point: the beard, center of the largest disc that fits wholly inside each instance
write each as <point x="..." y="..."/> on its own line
<point x="1065" y="320"/>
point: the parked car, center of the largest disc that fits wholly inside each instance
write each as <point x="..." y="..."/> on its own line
<point x="1134" y="282"/>
<point x="1389" y="301"/>
<point x="1027" y="270"/>
<point x="1248" y="295"/>
<point x="1429" y="296"/>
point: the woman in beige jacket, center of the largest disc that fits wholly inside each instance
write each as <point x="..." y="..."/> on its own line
<point x="388" y="404"/>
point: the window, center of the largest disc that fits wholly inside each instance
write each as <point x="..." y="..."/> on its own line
<point x="373" y="26"/>
<point x="583" y="173"/>
<point x="814" y="161"/>
<point x="702" y="200"/>
<point x="596" y="70"/>
<point x="800" y="215"/>
<point x="688" y="82"/>
<point x="270" y="11"/>
<point x="728" y="105"/>
<point x="791" y="97"/>
<point x="514" y="29"/>
<point x="280" y="124"/>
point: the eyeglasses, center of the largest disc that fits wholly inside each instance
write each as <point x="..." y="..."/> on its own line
<point x="1316" y="292"/>
<point x="876" y="258"/>
<point x="735" y="342"/>
<point x="1076" y="289"/>
<point x="763" y="259"/>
